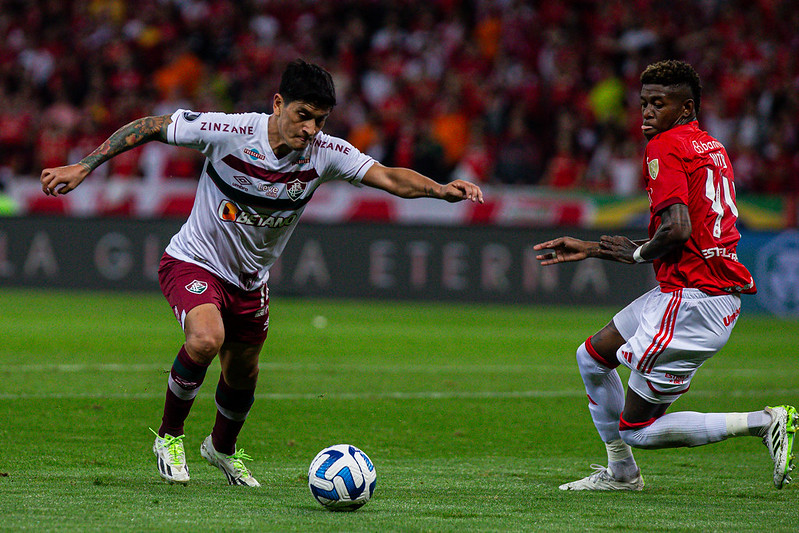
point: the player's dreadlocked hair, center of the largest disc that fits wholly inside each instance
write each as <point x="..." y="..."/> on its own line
<point x="309" y="83"/>
<point x="672" y="72"/>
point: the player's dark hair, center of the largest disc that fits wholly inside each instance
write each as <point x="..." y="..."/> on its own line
<point x="672" y="72"/>
<point x="309" y="83"/>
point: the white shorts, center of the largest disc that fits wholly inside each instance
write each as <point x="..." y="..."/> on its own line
<point x="670" y="335"/>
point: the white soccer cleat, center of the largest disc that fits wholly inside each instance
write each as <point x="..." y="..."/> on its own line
<point x="231" y="465"/>
<point x="171" y="459"/>
<point x="602" y="479"/>
<point x="779" y="441"/>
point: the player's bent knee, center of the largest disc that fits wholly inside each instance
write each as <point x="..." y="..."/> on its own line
<point x="241" y="377"/>
<point x="637" y="434"/>
<point x="636" y="438"/>
<point x="204" y="345"/>
<point x="588" y="364"/>
<point x="588" y="356"/>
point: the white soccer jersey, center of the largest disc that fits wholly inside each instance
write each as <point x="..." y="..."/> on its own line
<point x="248" y="202"/>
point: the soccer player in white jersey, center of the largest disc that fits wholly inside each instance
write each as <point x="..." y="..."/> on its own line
<point x="665" y="335"/>
<point x="260" y="172"/>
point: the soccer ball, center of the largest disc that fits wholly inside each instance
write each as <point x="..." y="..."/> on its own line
<point x="342" y="478"/>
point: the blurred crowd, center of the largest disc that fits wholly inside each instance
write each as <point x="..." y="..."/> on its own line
<point x="497" y="91"/>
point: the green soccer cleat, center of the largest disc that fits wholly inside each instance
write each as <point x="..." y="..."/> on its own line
<point x="171" y="458"/>
<point x="602" y="479"/>
<point x="779" y="441"/>
<point x="230" y="465"/>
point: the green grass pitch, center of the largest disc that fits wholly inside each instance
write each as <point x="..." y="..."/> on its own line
<point x="472" y="414"/>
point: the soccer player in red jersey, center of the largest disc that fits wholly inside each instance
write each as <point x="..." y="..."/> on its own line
<point x="665" y="335"/>
<point x="260" y="172"/>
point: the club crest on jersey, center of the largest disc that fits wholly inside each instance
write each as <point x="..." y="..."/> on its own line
<point x="654" y="168"/>
<point x="197" y="286"/>
<point x="295" y="189"/>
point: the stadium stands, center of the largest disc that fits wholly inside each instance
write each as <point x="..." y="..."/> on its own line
<point x="498" y="91"/>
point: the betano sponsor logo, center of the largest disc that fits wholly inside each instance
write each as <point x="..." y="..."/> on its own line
<point x="230" y="212"/>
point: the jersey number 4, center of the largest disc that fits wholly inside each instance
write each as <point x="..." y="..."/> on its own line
<point x="720" y="192"/>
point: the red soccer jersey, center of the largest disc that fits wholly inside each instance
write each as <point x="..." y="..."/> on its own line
<point x="686" y="165"/>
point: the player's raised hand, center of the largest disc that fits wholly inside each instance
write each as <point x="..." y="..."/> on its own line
<point x="61" y="180"/>
<point x="565" y="249"/>
<point x="458" y="190"/>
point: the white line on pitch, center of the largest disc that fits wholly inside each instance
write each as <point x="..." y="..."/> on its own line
<point x="422" y="395"/>
<point x="321" y="369"/>
<point x="397" y="395"/>
<point x="267" y="366"/>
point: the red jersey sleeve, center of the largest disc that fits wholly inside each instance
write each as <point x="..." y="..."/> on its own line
<point x="667" y="177"/>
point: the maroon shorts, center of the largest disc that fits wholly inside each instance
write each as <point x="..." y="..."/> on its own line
<point x="245" y="314"/>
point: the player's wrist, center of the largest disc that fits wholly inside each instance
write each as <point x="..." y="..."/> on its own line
<point x="86" y="166"/>
<point x="637" y="255"/>
<point x="592" y="249"/>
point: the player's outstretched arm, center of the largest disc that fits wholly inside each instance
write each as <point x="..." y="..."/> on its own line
<point x="407" y="183"/>
<point x="61" y="180"/>
<point x="566" y="249"/>
<point x="672" y="234"/>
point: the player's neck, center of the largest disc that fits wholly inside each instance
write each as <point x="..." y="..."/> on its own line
<point x="281" y="150"/>
<point x="276" y="143"/>
<point x="684" y="120"/>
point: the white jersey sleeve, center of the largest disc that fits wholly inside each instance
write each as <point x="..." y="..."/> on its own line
<point x="213" y="134"/>
<point x="336" y="159"/>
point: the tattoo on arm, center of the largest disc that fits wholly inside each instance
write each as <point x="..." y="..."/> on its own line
<point x="136" y="133"/>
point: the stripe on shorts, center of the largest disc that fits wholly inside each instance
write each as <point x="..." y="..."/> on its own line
<point x="663" y="336"/>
